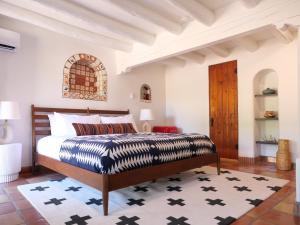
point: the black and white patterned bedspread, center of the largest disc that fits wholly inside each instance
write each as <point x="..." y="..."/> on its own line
<point x="115" y="153"/>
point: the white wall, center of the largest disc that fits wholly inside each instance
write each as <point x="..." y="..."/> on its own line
<point x="187" y="96"/>
<point x="33" y="75"/>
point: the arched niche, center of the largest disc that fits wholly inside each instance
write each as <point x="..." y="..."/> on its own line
<point x="266" y="130"/>
<point x="85" y="77"/>
<point x="145" y="93"/>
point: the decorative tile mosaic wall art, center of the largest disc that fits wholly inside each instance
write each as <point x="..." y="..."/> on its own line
<point x="85" y="77"/>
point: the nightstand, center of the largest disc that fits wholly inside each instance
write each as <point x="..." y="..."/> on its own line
<point x="10" y="161"/>
<point x="165" y="129"/>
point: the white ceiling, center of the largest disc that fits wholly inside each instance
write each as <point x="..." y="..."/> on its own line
<point x="141" y="22"/>
<point x="119" y="24"/>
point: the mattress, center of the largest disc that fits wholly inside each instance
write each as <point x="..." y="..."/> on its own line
<point x="50" y="146"/>
<point x="116" y="153"/>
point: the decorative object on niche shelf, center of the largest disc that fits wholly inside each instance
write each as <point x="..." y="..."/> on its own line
<point x="270" y="114"/>
<point x="146" y="115"/>
<point x="268" y="140"/>
<point x="10" y="153"/>
<point x="146" y="93"/>
<point x="269" y="91"/>
<point x="283" y="155"/>
<point x="85" y="77"/>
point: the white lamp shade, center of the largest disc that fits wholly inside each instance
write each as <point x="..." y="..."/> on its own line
<point x="9" y="110"/>
<point x="146" y="115"/>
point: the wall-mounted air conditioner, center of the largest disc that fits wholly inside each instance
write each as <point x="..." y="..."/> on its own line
<point x="9" y="40"/>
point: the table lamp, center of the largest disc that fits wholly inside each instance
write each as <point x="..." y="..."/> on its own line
<point x="8" y="111"/>
<point x="146" y="115"/>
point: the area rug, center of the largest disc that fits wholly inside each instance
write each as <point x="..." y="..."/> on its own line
<point x="193" y="197"/>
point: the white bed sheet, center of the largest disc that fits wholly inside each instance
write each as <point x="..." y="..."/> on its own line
<point x="50" y="146"/>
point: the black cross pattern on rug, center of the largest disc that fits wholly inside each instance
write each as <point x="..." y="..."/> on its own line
<point x="75" y="189"/>
<point x="233" y="179"/>
<point x="254" y="202"/>
<point x="58" y="180"/>
<point x="141" y="188"/>
<point x="206" y="189"/>
<point x="75" y="219"/>
<point x="128" y="221"/>
<point x="215" y="201"/>
<point x="94" y="201"/>
<point x="203" y="179"/>
<point x="179" y="221"/>
<point x="243" y="188"/>
<point x="275" y="188"/>
<point x="174" y="188"/>
<point x="39" y="188"/>
<point x="138" y="202"/>
<point x="173" y="202"/>
<point x="225" y="171"/>
<point x="200" y="172"/>
<point x="225" y="221"/>
<point x="174" y="179"/>
<point x="260" y="178"/>
<point x="55" y="201"/>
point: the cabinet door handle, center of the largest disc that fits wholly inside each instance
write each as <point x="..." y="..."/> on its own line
<point x="211" y="122"/>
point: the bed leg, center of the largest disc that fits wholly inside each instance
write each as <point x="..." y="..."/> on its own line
<point x="218" y="164"/>
<point x="105" y="195"/>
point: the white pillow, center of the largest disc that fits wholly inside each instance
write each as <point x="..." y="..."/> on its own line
<point x="53" y="126"/>
<point x="119" y="119"/>
<point x="64" y="122"/>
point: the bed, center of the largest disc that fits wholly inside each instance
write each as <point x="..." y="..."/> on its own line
<point x="104" y="178"/>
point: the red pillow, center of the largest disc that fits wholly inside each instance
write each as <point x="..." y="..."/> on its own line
<point x="98" y="129"/>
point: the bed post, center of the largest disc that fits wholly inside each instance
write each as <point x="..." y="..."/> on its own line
<point x="218" y="164"/>
<point x="105" y="193"/>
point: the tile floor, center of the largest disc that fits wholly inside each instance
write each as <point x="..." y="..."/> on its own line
<point x="279" y="209"/>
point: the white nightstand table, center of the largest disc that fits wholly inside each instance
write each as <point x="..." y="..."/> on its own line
<point x="10" y="161"/>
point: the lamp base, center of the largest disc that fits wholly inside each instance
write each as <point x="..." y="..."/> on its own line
<point x="6" y="134"/>
<point x="147" y="127"/>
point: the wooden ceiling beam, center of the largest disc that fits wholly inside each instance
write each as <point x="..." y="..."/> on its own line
<point x="174" y="61"/>
<point x="247" y="43"/>
<point x="74" y="15"/>
<point x="197" y="10"/>
<point x="194" y="57"/>
<point x="219" y="51"/>
<point x="61" y="28"/>
<point x="137" y="9"/>
<point x="283" y="34"/>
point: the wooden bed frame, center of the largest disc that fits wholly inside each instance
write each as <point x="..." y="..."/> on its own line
<point x="105" y="182"/>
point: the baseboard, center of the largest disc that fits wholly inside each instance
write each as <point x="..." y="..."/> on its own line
<point x="38" y="169"/>
<point x="26" y="169"/>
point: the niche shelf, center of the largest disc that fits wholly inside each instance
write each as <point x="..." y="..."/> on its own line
<point x="265" y="95"/>
<point x="266" y="129"/>
<point x="264" y="118"/>
<point x="267" y="142"/>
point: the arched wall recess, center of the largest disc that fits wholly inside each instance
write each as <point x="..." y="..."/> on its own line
<point x="84" y="77"/>
<point x="266" y="129"/>
<point x="145" y="93"/>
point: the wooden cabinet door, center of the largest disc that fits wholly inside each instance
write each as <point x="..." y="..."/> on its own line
<point x="223" y="102"/>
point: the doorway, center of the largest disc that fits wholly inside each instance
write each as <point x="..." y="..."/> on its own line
<point x="223" y="108"/>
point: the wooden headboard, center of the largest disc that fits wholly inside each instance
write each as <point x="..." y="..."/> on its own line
<point x="41" y="125"/>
